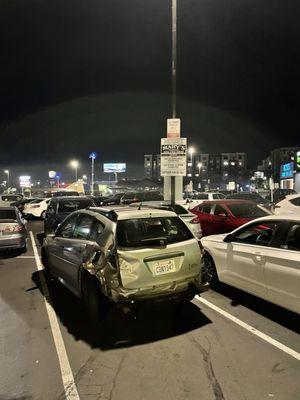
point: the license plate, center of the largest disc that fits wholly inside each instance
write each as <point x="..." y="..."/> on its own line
<point x="164" y="267"/>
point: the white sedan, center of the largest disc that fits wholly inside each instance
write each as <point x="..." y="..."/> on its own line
<point x="291" y="204"/>
<point x="262" y="258"/>
<point x="36" y="208"/>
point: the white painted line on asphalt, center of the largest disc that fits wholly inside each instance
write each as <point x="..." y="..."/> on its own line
<point x="66" y="371"/>
<point x="251" y="329"/>
<point x="25" y="257"/>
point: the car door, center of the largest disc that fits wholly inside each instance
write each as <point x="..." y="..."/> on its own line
<point x="220" y="219"/>
<point x="282" y="269"/>
<point x="63" y="237"/>
<point x="246" y="256"/>
<point x="203" y="212"/>
<point x="74" y="251"/>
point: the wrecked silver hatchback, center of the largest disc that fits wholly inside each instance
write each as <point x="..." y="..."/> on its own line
<point x="125" y="255"/>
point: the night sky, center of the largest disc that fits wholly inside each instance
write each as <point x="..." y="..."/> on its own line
<point x="95" y="75"/>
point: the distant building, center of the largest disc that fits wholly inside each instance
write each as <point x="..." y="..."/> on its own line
<point x="282" y="167"/>
<point x="152" y="166"/>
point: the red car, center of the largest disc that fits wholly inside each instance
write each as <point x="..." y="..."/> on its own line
<point x="222" y="216"/>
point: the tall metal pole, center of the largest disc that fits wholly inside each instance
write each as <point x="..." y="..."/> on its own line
<point x="92" y="188"/>
<point x="174" y="66"/>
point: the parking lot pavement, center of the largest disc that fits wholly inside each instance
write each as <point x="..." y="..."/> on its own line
<point x="160" y="352"/>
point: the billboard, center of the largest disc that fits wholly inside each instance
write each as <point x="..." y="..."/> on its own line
<point x="298" y="160"/>
<point x="114" y="167"/>
<point x="287" y="170"/>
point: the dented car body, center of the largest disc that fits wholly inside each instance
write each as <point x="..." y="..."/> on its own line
<point x="132" y="254"/>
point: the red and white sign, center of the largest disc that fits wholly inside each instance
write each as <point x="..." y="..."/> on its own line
<point x="173" y="128"/>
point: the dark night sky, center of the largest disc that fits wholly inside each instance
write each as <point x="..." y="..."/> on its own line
<point x="95" y="75"/>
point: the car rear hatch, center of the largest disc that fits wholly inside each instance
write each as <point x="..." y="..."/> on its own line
<point x="159" y="259"/>
<point x="9" y="228"/>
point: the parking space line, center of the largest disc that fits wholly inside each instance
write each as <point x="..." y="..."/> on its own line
<point x="25" y="257"/>
<point x="251" y="329"/>
<point x="66" y="371"/>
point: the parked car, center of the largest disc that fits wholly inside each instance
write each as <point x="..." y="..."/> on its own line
<point x="207" y="196"/>
<point x="124" y="255"/>
<point x="36" y="208"/>
<point x="60" y="207"/>
<point x="251" y="196"/>
<point x="100" y="200"/>
<point x="13" y="232"/>
<point x="280" y="194"/>
<point x="291" y="204"/>
<point x="134" y="197"/>
<point x="61" y="193"/>
<point x="187" y="217"/>
<point x="113" y="200"/>
<point x="261" y="258"/>
<point x="20" y="204"/>
<point x="221" y="216"/>
<point x="7" y="199"/>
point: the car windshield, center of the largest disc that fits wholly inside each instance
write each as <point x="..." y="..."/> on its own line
<point x="74" y="205"/>
<point x="247" y="210"/>
<point x="8" y="214"/>
<point x="139" y="232"/>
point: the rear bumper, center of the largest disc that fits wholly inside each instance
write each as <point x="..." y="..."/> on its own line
<point x="12" y="243"/>
<point x="176" y="291"/>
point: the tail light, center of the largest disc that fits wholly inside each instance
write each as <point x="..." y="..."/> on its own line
<point x="19" y="228"/>
<point x="195" y="220"/>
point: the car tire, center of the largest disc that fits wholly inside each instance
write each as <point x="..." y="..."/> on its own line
<point x="43" y="215"/>
<point x="97" y="305"/>
<point x="209" y="271"/>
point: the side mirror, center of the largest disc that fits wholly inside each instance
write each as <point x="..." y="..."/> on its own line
<point x="228" y="238"/>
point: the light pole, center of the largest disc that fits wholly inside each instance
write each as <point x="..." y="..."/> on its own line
<point x="191" y="151"/>
<point x="6" y="171"/>
<point x="92" y="156"/>
<point x="74" y="164"/>
<point x="199" y="165"/>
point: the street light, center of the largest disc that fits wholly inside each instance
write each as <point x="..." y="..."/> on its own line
<point x="199" y="165"/>
<point x="6" y="171"/>
<point x="84" y="177"/>
<point x="74" y="164"/>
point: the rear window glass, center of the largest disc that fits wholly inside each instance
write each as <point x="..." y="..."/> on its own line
<point x="201" y="196"/>
<point x="73" y="205"/>
<point x="135" y="232"/>
<point x="296" y="201"/>
<point x="36" y="201"/>
<point x="218" y="196"/>
<point x="246" y="210"/>
<point x="10" y="198"/>
<point x="179" y="210"/>
<point x="8" y="214"/>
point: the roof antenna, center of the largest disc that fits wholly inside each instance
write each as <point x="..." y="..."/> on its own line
<point x="140" y="206"/>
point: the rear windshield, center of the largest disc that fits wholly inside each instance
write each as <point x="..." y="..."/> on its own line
<point x="135" y="232"/>
<point x="201" y="196"/>
<point x="295" y="201"/>
<point x="246" y="210"/>
<point x="74" y="205"/>
<point x="218" y="196"/>
<point x="8" y="214"/>
<point x="10" y="198"/>
<point x="36" y="201"/>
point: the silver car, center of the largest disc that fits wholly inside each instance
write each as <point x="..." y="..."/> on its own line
<point x="13" y="234"/>
<point x="124" y="255"/>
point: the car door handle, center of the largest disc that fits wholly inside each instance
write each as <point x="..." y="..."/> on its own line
<point x="259" y="257"/>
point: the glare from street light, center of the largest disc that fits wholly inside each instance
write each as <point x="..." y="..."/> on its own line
<point x="6" y="171"/>
<point x="74" y="163"/>
<point x="191" y="150"/>
<point x="199" y="165"/>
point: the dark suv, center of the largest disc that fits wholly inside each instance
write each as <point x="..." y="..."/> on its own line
<point x="135" y="197"/>
<point x="60" y="207"/>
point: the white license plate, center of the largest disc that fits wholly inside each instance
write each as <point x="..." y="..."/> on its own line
<point x="164" y="267"/>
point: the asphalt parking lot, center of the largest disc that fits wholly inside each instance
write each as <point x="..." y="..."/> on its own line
<point x="225" y="345"/>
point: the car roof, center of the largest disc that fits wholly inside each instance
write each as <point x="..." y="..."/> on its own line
<point x="8" y="208"/>
<point x="122" y="213"/>
<point x="279" y="217"/>
<point x="226" y="201"/>
<point x="68" y="198"/>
